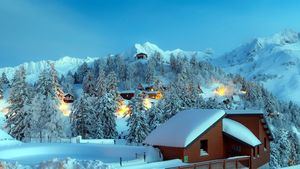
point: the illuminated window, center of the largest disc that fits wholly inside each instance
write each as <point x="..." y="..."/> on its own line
<point x="203" y="147"/>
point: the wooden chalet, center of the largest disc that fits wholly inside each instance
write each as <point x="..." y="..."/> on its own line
<point x="154" y="95"/>
<point x="200" y="136"/>
<point x="68" y="98"/>
<point x="141" y="56"/>
<point x="127" y="94"/>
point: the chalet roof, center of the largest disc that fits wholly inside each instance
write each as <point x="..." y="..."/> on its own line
<point x="183" y="128"/>
<point x="240" y="132"/>
<point x="244" y="112"/>
<point x="68" y="94"/>
<point x="127" y="91"/>
<point x="253" y="112"/>
<point x="141" y="53"/>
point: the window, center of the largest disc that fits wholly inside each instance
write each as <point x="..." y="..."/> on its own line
<point x="265" y="144"/>
<point x="257" y="151"/>
<point x="203" y="147"/>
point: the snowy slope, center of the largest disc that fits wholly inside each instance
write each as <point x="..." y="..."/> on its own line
<point x="273" y="61"/>
<point x="33" y="69"/>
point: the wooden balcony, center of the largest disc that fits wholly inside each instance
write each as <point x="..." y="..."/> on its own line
<point x="230" y="163"/>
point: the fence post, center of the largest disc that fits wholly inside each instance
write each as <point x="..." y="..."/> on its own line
<point x="224" y="164"/>
<point x="136" y="155"/>
<point x="121" y="161"/>
<point x="236" y="164"/>
<point x="144" y="156"/>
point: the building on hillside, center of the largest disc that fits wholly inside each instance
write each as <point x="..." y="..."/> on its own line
<point x="199" y="135"/>
<point x="68" y="98"/>
<point x="127" y="94"/>
<point x="141" y="56"/>
<point x="157" y="95"/>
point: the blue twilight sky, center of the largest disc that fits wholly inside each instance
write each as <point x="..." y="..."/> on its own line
<point x="50" y="29"/>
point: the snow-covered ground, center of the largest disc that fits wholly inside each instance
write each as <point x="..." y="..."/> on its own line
<point x="30" y="154"/>
<point x="292" y="167"/>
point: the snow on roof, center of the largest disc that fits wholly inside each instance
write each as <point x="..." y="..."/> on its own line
<point x="240" y="132"/>
<point x="248" y="112"/>
<point x="127" y="91"/>
<point x="184" y="127"/>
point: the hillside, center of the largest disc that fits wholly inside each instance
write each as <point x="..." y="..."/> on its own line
<point x="273" y="61"/>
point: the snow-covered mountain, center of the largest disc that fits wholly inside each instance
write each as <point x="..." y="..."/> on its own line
<point x="151" y="49"/>
<point x="67" y="63"/>
<point x="273" y="61"/>
<point x="63" y="66"/>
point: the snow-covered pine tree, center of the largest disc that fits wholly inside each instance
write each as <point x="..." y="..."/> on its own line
<point x="100" y="84"/>
<point x="35" y="119"/>
<point x="81" y="73"/>
<point x="172" y="103"/>
<point x="105" y="111"/>
<point x="270" y="104"/>
<point x="18" y="98"/>
<point x="150" y="70"/>
<point x="4" y="80"/>
<point x="83" y="118"/>
<point x="88" y="84"/>
<point x="47" y="86"/>
<point x="112" y="83"/>
<point x="137" y="121"/>
<point x="154" y="116"/>
<point x="1" y="90"/>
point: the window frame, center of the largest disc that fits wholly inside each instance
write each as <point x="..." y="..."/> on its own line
<point x="203" y="150"/>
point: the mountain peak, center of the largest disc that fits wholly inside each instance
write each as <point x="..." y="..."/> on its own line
<point x="287" y="36"/>
<point x="148" y="48"/>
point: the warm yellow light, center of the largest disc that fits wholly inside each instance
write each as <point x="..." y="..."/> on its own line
<point x="159" y="95"/>
<point x="147" y="104"/>
<point x="123" y="110"/>
<point x="223" y="91"/>
<point x="64" y="108"/>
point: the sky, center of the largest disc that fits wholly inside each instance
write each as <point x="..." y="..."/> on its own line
<point x="32" y="30"/>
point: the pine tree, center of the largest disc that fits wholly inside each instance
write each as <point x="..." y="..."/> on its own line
<point x="89" y="84"/>
<point x="1" y="90"/>
<point x="81" y="73"/>
<point x="154" y="116"/>
<point x="100" y="84"/>
<point x="137" y="122"/>
<point x="18" y="99"/>
<point x="111" y="83"/>
<point x="83" y="117"/>
<point x="51" y="116"/>
<point x="4" y="80"/>
<point x="106" y="113"/>
<point x="150" y="71"/>
<point x="172" y="104"/>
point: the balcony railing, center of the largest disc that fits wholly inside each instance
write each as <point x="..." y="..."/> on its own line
<point x="230" y="163"/>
